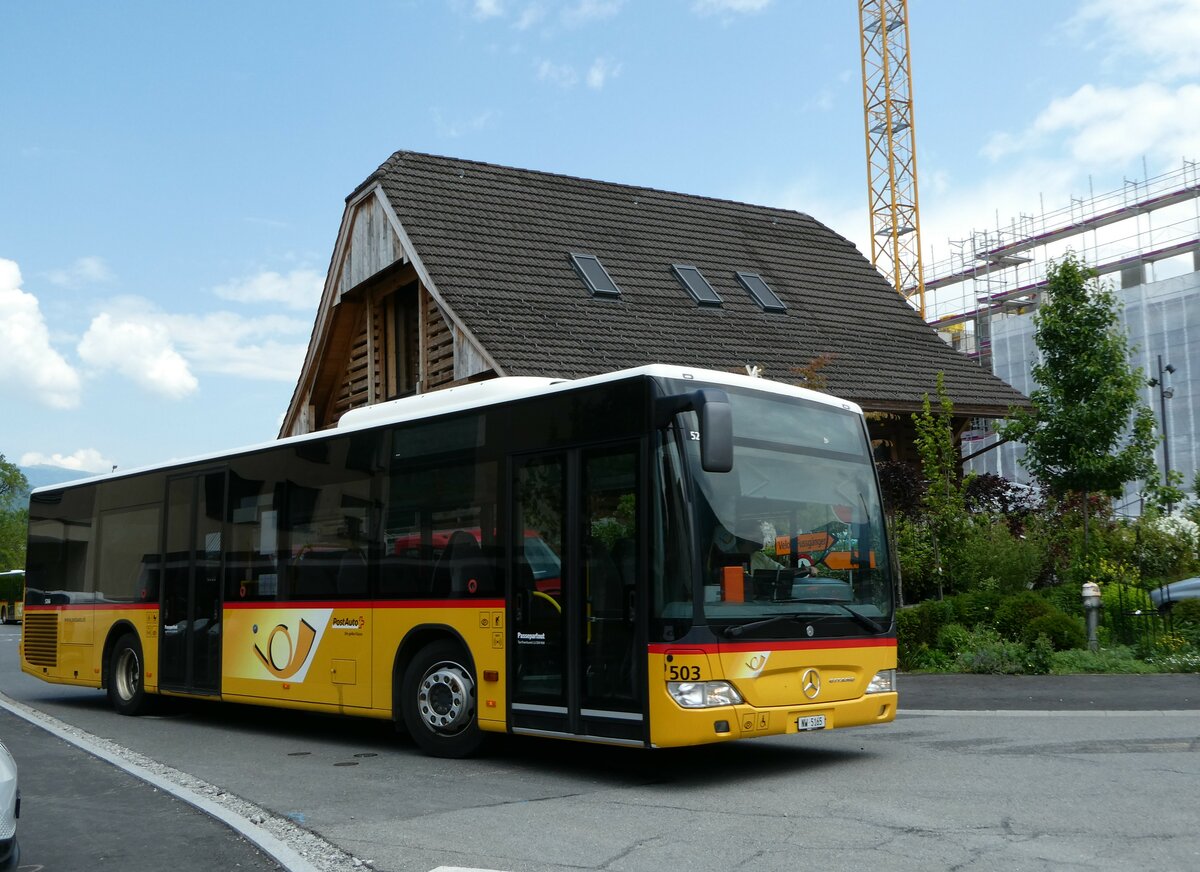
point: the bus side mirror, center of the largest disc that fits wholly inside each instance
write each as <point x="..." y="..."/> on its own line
<point x="716" y="424"/>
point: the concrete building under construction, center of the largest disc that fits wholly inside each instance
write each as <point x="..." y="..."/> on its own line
<point x="1143" y="237"/>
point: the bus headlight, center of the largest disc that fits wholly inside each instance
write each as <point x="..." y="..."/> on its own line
<point x="883" y="682"/>
<point x="703" y="694"/>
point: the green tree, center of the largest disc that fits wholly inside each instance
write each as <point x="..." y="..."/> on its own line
<point x="1089" y="431"/>
<point x="943" y="504"/>
<point x="14" y="517"/>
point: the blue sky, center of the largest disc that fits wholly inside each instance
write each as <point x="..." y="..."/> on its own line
<point x="172" y="175"/>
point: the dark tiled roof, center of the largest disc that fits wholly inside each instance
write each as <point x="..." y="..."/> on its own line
<point x="496" y="240"/>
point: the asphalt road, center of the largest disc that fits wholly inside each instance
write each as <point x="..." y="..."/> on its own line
<point x="81" y="813"/>
<point x="1097" y="772"/>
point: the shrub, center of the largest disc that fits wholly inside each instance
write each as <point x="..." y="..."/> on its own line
<point x="1067" y="598"/>
<point x="922" y="658"/>
<point x="1184" y="661"/>
<point x="1186" y="613"/>
<point x="989" y="654"/>
<point x="953" y="638"/>
<point x="1061" y="631"/>
<point x="1118" y="659"/>
<point x="993" y="559"/>
<point x="976" y="607"/>
<point x="1015" y="613"/>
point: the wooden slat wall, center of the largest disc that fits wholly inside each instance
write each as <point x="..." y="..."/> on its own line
<point x="363" y="367"/>
<point x="439" y="348"/>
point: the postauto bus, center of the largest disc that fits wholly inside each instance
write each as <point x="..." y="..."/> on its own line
<point x="654" y="557"/>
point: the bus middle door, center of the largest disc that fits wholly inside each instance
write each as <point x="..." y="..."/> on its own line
<point x="573" y="629"/>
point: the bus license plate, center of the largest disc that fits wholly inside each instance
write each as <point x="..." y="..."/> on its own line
<point x="811" y="722"/>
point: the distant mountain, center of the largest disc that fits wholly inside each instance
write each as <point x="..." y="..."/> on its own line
<point x="40" y="476"/>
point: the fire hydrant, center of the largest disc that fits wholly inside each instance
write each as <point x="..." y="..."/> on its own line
<point x="1091" y="611"/>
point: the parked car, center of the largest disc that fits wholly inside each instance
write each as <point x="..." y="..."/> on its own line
<point x="1168" y="594"/>
<point x="10" y="810"/>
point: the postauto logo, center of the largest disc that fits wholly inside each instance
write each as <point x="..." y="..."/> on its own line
<point x="286" y="650"/>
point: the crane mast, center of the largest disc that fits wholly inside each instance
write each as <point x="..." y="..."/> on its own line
<point x="891" y="153"/>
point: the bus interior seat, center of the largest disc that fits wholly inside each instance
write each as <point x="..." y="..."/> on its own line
<point x="352" y="574"/>
<point x="461" y="561"/>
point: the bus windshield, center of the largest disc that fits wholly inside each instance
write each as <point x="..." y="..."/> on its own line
<point x="794" y="533"/>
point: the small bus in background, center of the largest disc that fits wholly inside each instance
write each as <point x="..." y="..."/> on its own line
<point x="12" y="596"/>
<point x="656" y="557"/>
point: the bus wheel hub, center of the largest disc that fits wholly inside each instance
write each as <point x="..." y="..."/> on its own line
<point x="446" y="698"/>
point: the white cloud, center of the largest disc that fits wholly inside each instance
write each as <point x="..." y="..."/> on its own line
<point x="84" y="460"/>
<point x="1162" y="36"/>
<point x="140" y="349"/>
<point x="270" y="348"/>
<point x="587" y="11"/>
<point x="530" y="16"/>
<point x="563" y="75"/>
<point x="84" y="271"/>
<point x="453" y="129"/>
<point x="601" y="70"/>
<point x="29" y="363"/>
<point x="1106" y="127"/>
<point x="299" y="289"/>
<point x="720" y="7"/>
<point x="484" y="9"/>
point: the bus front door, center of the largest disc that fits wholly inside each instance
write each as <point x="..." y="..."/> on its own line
<point x="189" y="647"/>
<point x="573" y="629"/>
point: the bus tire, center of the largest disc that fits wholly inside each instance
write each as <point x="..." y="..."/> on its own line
<point x="439" y="701"/>
<point x="126" y="677"/>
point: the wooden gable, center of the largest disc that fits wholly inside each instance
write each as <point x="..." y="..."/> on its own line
<point x="381" y="330"/>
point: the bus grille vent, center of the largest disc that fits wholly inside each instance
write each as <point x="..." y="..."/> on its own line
<point x="41" y="638"/>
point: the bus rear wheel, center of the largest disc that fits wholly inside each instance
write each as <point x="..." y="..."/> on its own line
<point x="126" y="677"/>
<point x="438" y="701"/>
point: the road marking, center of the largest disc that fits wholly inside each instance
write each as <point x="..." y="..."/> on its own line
<point x="275" y="848"/>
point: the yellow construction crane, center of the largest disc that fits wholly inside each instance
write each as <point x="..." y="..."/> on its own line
<point x="891" y="153"/>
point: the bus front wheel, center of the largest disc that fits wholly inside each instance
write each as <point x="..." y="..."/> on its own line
<point x="438" y="700"/>
<point x="126" y="677"/>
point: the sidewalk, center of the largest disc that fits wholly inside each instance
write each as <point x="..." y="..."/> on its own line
<point x="79" y="812"/>
<point x="1050" y="692"/>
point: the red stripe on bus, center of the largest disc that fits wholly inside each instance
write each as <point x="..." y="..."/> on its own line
<point x="368" y="604"/>
<point x="73" y="607"/>
<point x="773" y="645"/>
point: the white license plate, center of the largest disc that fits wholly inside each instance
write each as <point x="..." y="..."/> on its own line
<point x="811" y="722"/>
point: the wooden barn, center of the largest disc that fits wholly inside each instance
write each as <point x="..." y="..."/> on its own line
<point x="447" y="271"/>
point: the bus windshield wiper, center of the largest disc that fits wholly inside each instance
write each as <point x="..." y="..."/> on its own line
<point x="739" y="629"/>
<point x="863" y="620"/>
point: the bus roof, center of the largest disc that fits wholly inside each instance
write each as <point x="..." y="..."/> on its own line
<point x="480" y="395"/>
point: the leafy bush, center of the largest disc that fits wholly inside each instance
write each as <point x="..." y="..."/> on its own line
<point x="1016" y="613"/>
<point x="994" y="559"/>
<point x="1186" y="613"/>
<point x="924" y="659"/>
<point x="1116" y="659"/>
<point x="1184" y="661"/>
<point x="1061" y="631"/>
<point x="988" y="654"/>
<point x="1067" y="598"/>
<point x="976" y="607"/>
<point x="953" y="638"/>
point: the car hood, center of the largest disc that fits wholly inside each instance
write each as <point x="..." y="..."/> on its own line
<point x="8" y="794"/>
<point x="1188" y="588"/>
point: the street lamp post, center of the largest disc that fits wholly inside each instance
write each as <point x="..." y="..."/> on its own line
<point x="1164" y="393"/>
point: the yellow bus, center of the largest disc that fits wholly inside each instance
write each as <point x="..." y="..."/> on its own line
<point x="12" y="595"/>
<point x="655" y="557"/>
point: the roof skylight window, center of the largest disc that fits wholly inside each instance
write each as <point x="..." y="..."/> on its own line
<point x="761" y="292"/>
<point x="696" y="284"/>
<point x="595" y="276"/>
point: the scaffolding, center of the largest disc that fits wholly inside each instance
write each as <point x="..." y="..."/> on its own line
<point x="993" y="274"/>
